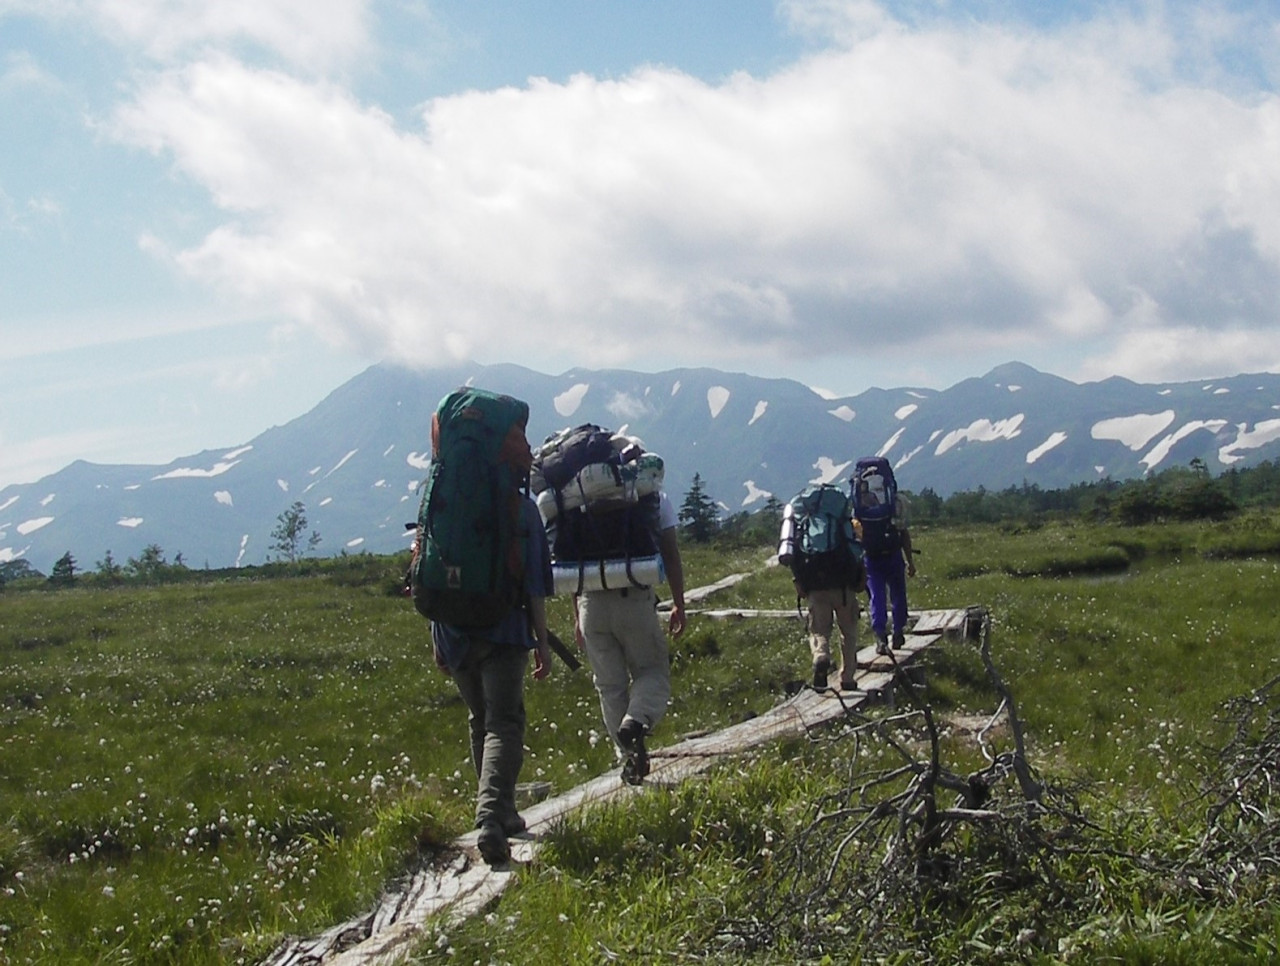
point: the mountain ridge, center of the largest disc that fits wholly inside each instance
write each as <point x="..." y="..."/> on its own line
<point x="355" y="459"/>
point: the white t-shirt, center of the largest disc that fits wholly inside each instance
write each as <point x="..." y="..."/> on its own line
<point x="667" y="516"/>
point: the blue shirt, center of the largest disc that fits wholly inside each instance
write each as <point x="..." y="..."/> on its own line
<point x="451" y="642"/>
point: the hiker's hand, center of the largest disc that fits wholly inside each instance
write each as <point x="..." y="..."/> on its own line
<point x="675" y="623"/>
<point x="541" y="661"/>
<point x="911" y="566"/>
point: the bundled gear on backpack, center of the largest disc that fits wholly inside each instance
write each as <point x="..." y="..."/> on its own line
<point x="818" y="542"/>
<point x="598" y="493"/>
<point x="468" y="563"/>
<point x="875" y="502"/>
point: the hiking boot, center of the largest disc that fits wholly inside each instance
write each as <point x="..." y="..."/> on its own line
<point x="821" y="668"/>
<point x="493" y="845"/>
<point x="899" y="639"/>
<point x="882" y="644"/>
<point x="515" y="825"/>
<point x="631" y="739"/>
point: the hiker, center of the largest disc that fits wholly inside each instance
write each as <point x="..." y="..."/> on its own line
<point x="881" y="512"/>
<point x="818" y="544"/>
<point x="613" y="541"/>
<point x="482" y="635"/>
<point x="627" y="650"/>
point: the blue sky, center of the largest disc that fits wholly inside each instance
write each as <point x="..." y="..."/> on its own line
<point x="213" y="214"/>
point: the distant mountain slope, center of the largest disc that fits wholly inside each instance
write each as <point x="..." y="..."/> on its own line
<point x="357" y="458"/>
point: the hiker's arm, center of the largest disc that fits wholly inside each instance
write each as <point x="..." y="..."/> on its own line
<point x="670" y="547"/>
<point x="542" y="652"/>
<point x="908" y="552"/>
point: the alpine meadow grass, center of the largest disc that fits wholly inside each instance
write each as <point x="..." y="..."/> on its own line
<point x="191" y="772"/>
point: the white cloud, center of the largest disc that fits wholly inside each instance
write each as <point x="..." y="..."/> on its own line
<point x="313" y="35"/>
<point x="1051" y="186"/>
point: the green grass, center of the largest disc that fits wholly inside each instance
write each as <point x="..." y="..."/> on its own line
<point x="191" y="772"/>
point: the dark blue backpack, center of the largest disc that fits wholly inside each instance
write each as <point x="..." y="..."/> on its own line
<point x="875" y="497"/>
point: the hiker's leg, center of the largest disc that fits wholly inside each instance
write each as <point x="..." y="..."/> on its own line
<point x="897" y="579"/>
<point x="876" y="594"/>
<point x="647" y="656"/>
<point x="501" y="670"/>
<point x="605" y="655"/>
<point x="847" y="616"/>
<point x="822" y="618"/>
<point x="468" y="680"/>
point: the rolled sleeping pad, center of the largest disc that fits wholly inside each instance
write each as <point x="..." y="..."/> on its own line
<point x="574" y="577"/>
<point x="605" y="483"/>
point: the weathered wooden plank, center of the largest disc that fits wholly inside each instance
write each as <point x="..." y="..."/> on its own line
<point x="464" y="885"/>
<point x="730" y="613"/>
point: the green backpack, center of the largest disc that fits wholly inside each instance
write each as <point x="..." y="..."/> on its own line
<point x="468" y="565"/>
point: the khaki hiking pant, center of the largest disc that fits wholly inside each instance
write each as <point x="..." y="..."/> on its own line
<point x="628" y="653"/>
<point x="828" y="608"/>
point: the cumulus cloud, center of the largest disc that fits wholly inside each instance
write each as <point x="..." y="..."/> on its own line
<point x="903" y="188"/>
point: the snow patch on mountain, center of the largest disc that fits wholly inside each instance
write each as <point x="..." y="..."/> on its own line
<point x="902" y="412"/>
<point x="244" y="543"/>
<point x="828" y="469"/>
<point x="891" y="442"/>
<point x="223" y="497"/>
<point x="1162" y="448"/>
<point x="1264" y="432"/>
<point x="843" y="412"/>
<point x="761" y="407"/>
<point x="34" y="524"/>
<point x="235" y="453"/>
<point x="132" y="523"/>
<point x="754" y="493"/>
<point x="48" y="499"/>
<point x="675" y="387"/>
<point x="1055" y="439"/>
<point x="341" y="463"/>
<point x="1134" y="431"/>
<point x="419" y="461"/>
<point x="982" y="431"/>
<point x="567" y="402"/>
<point x="191" y="472"/>
<point x="8" y="503"/>
<point x="352" y="544"/>
<point x="717" y="396"/>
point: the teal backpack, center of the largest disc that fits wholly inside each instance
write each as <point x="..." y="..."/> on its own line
<point x="818" y="541"/>
<point x="468" y="564"/>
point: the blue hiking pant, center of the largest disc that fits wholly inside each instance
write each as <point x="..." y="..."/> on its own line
<point x="491" y="682"/>
<point x="887" y="583"/>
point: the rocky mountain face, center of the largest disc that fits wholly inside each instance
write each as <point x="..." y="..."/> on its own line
<point x="357" y="459"/>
